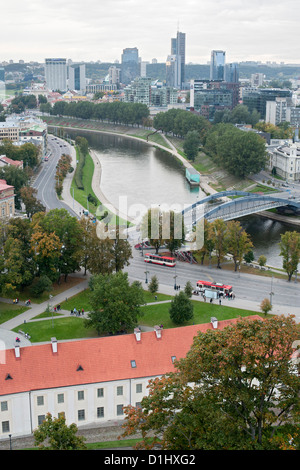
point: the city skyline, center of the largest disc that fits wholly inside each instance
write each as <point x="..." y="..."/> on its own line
<point x="263" y="31"/>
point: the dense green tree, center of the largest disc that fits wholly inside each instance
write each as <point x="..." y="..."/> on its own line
<point x="181" y="308"/>
<point x="236" y="389"/>
<point x="69" y="233"/>
<point x="290" y="252"/>
<point x="54" y="434"/>
<point x="238" y="242"/>
<point x="191" y="145"/>
<point x="153" y="285"/>
<point x="115" y="304"/>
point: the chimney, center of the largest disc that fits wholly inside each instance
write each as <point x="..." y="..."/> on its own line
<point x="214" y="322"/>
<point x="17" y="350"/>
<point x="137" y="332"/>
<point x="54" y="345"/>
<point x="157" y="330"/>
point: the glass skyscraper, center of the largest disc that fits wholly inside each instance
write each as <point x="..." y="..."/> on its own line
<point x="130" y="68"/>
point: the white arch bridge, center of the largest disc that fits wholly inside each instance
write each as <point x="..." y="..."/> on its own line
<point x="220" y="206"/>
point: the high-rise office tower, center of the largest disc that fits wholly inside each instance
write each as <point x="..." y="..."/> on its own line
<point x="56" y="74"/>
<point x="173" y="71"/>
<point x="217" y="65"/>
<point x="232" y="73"/>
<point x="130" y="65"/>
<point x="178" y="49"/>
<point x="77" y="80"/>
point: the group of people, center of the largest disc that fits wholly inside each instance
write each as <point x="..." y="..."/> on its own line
<point x="77" y="312"/>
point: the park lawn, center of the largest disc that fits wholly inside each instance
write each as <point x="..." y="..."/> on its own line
<point x="73" y="327"/>
<point x="9" y="311"/>
<point x="81" y="300"/>
<point x="159" y="314"/>
<point x="60" y="328"/>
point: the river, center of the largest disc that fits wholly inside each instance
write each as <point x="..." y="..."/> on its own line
<point x="146" y="176"/>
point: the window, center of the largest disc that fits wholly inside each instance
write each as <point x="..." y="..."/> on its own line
<point x="100" y="412"/>
<point x="60" y="398"/>
<point x="5" y="426"/>
<point x="41" y="418"/>
<point x="119" y="410"/>
<point x="40" y="400"/>
<point x="4" y="406"/>
<point x="173" y="359"/>
<point x="120" y="390"/>
<point x="61" y="414"/>
<point x="138" y="404"/>
<point x="133" y="364"/>
<point x="80" y="395"/>
<point x="100" y="392"/>
<point x="81" y="415"/>
<point x="139" y="388"/>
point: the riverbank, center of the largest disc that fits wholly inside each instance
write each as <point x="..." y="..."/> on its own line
<point x="146" y="136"/>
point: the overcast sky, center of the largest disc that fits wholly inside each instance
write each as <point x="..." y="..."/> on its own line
<point x="91" y="30"/>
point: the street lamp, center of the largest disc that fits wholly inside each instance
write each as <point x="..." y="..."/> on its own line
<point x="146" y="281"/>
<point x="271" y="293"/>
<point x="175" y="286"/>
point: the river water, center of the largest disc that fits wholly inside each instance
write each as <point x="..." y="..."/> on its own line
<point x="142" y="175"/>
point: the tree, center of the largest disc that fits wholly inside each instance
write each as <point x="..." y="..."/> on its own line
<point x="40" y="285"/>
<point x="188" y="289"/>
<point x="69" y="232"/>
<point x="218" y="235"/>
<point x="238" y="242"/>
<point x="181" y="309"/>
<point x="266" y="306"/>
<point x="191" y="145"/>
<point x="249" y="256"/>
<point x="153" y="285"/>
<point x="115" y="303"/>
<point x="208" y="243"/>
<point x="58" y="435"/>
<point x="163" y="227"/>
<point x="290" y="251"/>
<point x="236" y="389"/>
<point x="262" y="260"/>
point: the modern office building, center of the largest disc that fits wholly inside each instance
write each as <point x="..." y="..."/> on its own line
<point x="56" y="74"/>
<point x="77" y="79"/>
<point x="130" y="67"/>
<point x="178" y="49"/>
<point x="257" y="98"/>
<point x="217" y="65"/>
<point x="232" y="73"/>
<point x="173" y="71"/>
<point x="208" y="96"/>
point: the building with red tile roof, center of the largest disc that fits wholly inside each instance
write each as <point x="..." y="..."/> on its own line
<point x="88" y="381"/>
<point x="4" y="160"/>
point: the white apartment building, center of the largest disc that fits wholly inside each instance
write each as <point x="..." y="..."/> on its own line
<point x="56" y="74"/>
<point x="286" y="160"/>
<point x="276" y="111"/>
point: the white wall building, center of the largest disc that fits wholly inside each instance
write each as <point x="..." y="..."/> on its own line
<point x="87" y="381"/>
<point x="56" y="74"/>
<point x="286" y="160"/>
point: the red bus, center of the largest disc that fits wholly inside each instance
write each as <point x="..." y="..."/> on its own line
<point x="158" y="259"/>
<point x="202" y="285"/>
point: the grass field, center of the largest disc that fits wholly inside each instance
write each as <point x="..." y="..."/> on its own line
<point x="154" y="313"/>
<point x="9" y="311"/>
